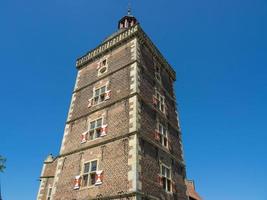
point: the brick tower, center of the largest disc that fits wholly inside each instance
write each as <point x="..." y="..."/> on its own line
<point x="122" y="138"/>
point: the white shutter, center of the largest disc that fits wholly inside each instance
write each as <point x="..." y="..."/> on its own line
<point x="104" y="130"/>
<point x="84" y="137"/>
<point x="107" y="95"/>
<point x="77" y="182"/>
<point x="99" y="177"/>
<point x="90" y="102"/>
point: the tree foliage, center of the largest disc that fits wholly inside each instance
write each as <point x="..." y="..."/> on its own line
<point x="2" y="163"/>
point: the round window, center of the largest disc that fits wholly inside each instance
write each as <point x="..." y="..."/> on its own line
<point x="103" y="70"/>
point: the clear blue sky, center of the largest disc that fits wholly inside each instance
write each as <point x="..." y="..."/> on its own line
<point x="217" y="47"/>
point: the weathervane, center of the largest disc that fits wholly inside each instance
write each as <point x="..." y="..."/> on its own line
<point x="129" y="8"/>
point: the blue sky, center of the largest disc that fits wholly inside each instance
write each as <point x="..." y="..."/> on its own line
<point x="217" y="47"/>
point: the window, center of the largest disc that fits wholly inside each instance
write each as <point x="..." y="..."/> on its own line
<point x="160" y="102"/>
<point x="49" y="193"/>
<point x="95" y="129"/>
<point x="157" y="73"/>
<point x="166" y="178"/>
<point x="89" y="173"/>
<point x="163" y="135"/>
<point x="99" y="94"/>
<point x="102" y="67"/>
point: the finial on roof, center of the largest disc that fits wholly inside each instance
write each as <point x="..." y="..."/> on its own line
<point x="128" y="20"/>
<point x="129" y="8"/>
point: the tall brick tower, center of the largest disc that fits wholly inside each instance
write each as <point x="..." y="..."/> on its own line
<point x="122" y="138"/>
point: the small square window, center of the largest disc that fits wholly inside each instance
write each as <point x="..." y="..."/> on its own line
<point x="103" y="67"/>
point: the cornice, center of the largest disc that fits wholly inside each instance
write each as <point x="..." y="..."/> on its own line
<point x="107" y="45"/>
<point x="120" y="38"/>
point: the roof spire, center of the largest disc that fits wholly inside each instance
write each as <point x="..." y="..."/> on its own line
<point x="129" y="20"/>
<point x="129" y="8"/>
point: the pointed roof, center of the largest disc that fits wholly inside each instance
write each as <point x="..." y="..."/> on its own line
<point x="127" y="21"/>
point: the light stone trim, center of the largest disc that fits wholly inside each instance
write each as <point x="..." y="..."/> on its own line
<point x="66" y="132"/>
<point x="134" y="120"/>
<point x="41" y="188"/>
<point x="42" y="184"/>
<point x="77" y="80"/>
<point x="67" y="127"/>
<point x="134" y="78"/>
<point x="58" y="171"/>
<point x="73" y="98"/>
<point x="134" y="69"/>
<point x="135" y="50"/>
<point x="133" y="162"/>
<point x="135" y="149"/>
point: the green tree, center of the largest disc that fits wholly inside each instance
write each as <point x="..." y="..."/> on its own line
<point x="2" y="163"/>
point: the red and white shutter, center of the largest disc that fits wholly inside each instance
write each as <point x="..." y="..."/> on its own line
<point x="77" y="182"/>
<point x="104" y="130"/>
<point x="107" y="95"/>
<point x="154" y="100"/>
<point x="99" y="177"/>
<point x="165" y="109"/>
<point x="160" y="181"/>
<point x="84" y="137"/>
<point x="174" y="187"/>
<point x="169" y="145"/>
<point x="157" y="135"/>
<point x="90" y="102"/>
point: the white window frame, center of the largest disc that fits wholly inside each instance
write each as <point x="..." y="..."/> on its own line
<point x="89" y="173"/>
<point x="102" y="65"/>
<point x="96" y="131"/>
<point x="101" y="96"/>
<point x="158" y="73"/>
<point x="166" y="178"/>
<point x="163" y="131"/>
<point x="49" y="193"/>
<point x="160" y="102"/>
